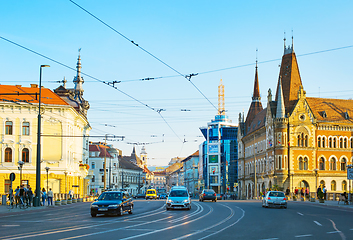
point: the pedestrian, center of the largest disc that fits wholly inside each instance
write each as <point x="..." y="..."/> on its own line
<point x="44" y="196"/>
<point x="30" y="196"/>
<point x="296" y="191"/>
<point x="318" y="191"/>
<point x="50" y="197"/>
<point x="307" y="192"/>
<point x="22" y="195"/>
<point x="302" y="192"/>
<point x="287" y="192"/>
<point x="71" y="193"/>
<point x="17" y="195"/>
<point x="324" y="190"/>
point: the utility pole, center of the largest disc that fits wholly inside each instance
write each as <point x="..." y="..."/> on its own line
<point x="105" y="163"/>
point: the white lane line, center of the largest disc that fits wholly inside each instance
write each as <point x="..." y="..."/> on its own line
<point x="318" y="223"/>
<point x="333" y="232"/>
<point x="270" y="239"/>
<point x="300" y="214"/>
<point x="10" y="225"/>
<point x="306" y="235"/>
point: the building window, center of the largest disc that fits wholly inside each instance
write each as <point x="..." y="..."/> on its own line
<point x="334" y="142"/>
<point x="93" y="165"/>
<point x="305" y="163"/>
<point x="345" y="143"/>
<point x="93" y="179"/>
<point x="322" y="164"/>
<point x="319" y="142"/>
<point x="8" y="155"/>
<point x="343" y="164"/>
<point x="333" y="164"/>
<point x="25" y="128"/>
<point x="306" y="141"/>
<point x="25" y="155"/>
<point x="8" y="128"/>
<point x="279" y="162"/>
<point x="344" y="185"/>
<point x="103" y="178"/>
<point x="333" y="185"/>
<point x="351" y="140"/>
<point x="330" y="142"/>
<point x="300" y="163"/>
<point x="7" y="186"/>
<point x="341" y="143"/>
<point x="323" y="141"/>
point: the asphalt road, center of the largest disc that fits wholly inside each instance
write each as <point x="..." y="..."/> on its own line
<point x="206" y="220"/>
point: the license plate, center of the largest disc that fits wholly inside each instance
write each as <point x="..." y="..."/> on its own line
<point x="102" y="209"/>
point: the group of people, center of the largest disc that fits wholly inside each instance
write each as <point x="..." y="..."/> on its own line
<point x="323" y="191"/>
<point x="302" y="191"/>
<point x="24" y="195"/>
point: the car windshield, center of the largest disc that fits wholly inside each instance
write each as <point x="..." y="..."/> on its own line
<point x="150" y="192"/>
<point x="178" y="193"/>
<point x="209" y="191"/>
<point x="110" y="196"/>
<point x="276" y="194"/>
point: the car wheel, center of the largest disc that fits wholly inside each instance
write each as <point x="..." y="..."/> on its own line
<point x="167" y="209"/>
<point x="121" y="212"/>
<point x="93" y="215"/>
<point x="189" y="207"/>
<point x="130" y="211"/>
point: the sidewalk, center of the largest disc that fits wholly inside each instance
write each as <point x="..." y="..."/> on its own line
<point x="326" y="203"/>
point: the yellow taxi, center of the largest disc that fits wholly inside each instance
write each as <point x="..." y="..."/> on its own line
<point x="151" y="194"/>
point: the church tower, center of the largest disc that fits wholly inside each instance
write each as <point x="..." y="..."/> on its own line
<point x="143" y="156"/>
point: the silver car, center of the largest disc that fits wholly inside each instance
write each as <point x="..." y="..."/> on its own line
<point x="178" y="198"/>
<point x="274" y="198"/>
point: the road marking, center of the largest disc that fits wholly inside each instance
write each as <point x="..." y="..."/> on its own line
<point x="306" y="235"/>
<point x="270" y="239"/>
<point x="10" y="225"/>
<point x="300" y="214"/>
<point x="333" y="232"/>
<point x="318" y="223"/>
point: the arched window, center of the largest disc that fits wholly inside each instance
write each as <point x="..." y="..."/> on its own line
<point x="322" y="184"/>
<point x="322" y="163"/>
<point x="25" y="155"/>
<point x="330" y="142"/>
<point x="8" y="128"/>
<point x="345" y="143"/>
<point x="8" y="155"/>
<point x="351" y="141"/>
<point x="279" y="162"/>
<point x="344" y="185"/>
<point x="298" y="140"/>
<point x="343" y="164"/>
<point x="323" y="142"/>
<point x="319" y="142"/>
<point x="305" y="163"/>
<point x="302" y="140"/>
<point x="341" y="143"/>
<point x="334" y="142"/>
<point x="333" y="164"/>
<point x="333" y="185"/>
<point x="306" y="141"/>
<point x="301" y="163"/>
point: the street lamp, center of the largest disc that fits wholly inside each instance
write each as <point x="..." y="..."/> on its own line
<point x="315" y="171"/>
<point x="65" y="184"/>
<point x="20" y="165"/>
<point x="47" y="169"/>
<point x="36" y="201"/>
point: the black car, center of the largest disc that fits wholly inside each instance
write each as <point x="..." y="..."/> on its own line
<point x="140" y="195"/>
<point x="112" y="203"/>
<point x="208" y="194"/>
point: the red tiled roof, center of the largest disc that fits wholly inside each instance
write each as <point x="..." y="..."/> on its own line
<point x="48" y="96"/>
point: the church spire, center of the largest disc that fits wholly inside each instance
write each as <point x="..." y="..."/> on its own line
<point x="78" y="80"/>
<point x="280" y="113"/>
<point x="256" y="94"/>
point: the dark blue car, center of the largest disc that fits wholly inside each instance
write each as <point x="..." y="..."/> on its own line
<point x="112" y="203"/>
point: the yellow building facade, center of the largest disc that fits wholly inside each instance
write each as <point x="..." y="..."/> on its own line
<point x="64" y="140"/>
<point x="296" y="141"/>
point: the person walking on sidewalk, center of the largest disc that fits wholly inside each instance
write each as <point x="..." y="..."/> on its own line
<point x="30" y="196"/>
<point x="324" y="191"/>
<point x="287" y="192"/>
<point x="318" y="192"/>
<point x="50" y="197"/>
<point x="44" y="196"/>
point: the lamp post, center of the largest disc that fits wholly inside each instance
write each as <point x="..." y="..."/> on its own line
<point x="47" y="169"/>
<point x="20" y="165"/>
<point x="65" y="185"/>
<point x="36" y="202"/>
<point x="315" y="171"/>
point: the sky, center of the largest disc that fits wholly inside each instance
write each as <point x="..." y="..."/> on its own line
<point x="214" y="39"/>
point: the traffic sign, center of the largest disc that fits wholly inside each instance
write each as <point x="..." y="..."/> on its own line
<point x="12" y="176"/>
<point x="350" y="173"/>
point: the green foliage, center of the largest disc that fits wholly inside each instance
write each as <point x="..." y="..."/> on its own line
<point x="321" y="195"/>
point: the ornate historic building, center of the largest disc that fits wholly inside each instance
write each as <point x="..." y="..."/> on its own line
<point x="296" y="141"/>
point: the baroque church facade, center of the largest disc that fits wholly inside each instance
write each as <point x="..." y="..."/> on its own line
<point x="295" y="141"/>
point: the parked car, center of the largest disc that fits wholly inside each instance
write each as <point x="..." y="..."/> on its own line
<point x="140" y="195"/>
<point x="208" y="194"/>
<point x="162" y="196"/>
<point x="112" y="203"/>
<point x="274" y="198"/>
<point x="151" y="194"/>
<point x="219" y="196"/>
<point x="178" y="198"/>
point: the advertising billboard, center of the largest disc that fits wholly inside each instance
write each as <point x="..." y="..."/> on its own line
<point x="213" y="158"/>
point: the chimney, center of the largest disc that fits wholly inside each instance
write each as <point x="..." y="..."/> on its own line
<point x="34" y="85"/>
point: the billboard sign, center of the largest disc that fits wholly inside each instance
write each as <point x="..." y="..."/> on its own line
<point x="213" y="158"/>
<point x="213" y="148"/>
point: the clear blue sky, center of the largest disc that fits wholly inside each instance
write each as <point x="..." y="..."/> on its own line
<point x="191" y="37"/>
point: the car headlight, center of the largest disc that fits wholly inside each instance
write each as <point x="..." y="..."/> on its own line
<point x="186" y="200"/>
<point x="170" y="200"/>
<point x="114" y="205"/>
<point x="94" y="206"/>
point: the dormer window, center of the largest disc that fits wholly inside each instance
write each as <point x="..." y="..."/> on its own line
<point x="346" y="116"/>
<point x="324" y="115"/>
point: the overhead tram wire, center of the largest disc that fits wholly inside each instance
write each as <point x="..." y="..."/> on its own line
<point x="111" y="84"/>
<point x="188" y="77"/>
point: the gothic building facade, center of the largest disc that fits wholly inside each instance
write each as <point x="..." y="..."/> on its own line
<point x="296" y="141"/>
